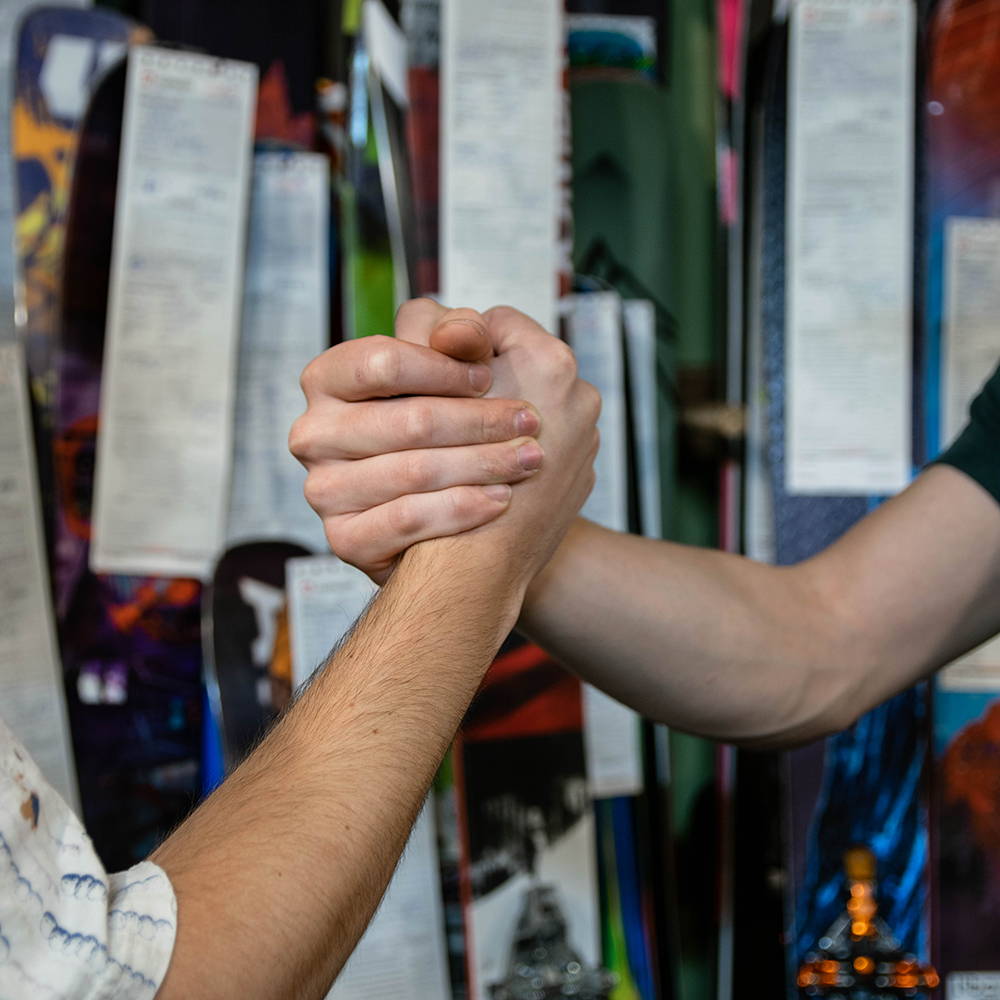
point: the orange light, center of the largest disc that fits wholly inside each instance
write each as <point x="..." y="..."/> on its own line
<point x="857" y="889"/>
<point x="863" y="965"/>
<point x="859" y="928"/>
<point x="828" y="966"/>
<point x="932" y="979"/>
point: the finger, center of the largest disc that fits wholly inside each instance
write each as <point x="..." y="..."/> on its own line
<point x="348" y="487"/>
<point x="508" y="326"/>
<point x="379" y="367"/>
<point x="361" y="430"/>
<point x="460" y="333"/>
<point x="416" y="319"/>
<point x="375" y="537"/>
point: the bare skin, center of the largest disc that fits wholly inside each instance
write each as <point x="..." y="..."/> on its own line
<point x="769" y="656"/>
<point x="352" y="439"/>
<point x="278" y="872"/>
<point x="708" y="642"/>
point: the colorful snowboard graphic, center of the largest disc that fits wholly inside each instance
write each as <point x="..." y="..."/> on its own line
<point x="863" y="785"/>
<point x="963" y="242"/>
<point x="135" y="641"/>
<point x="859" y="956"/>
<point x="245" y="632"/>
<point x="62" y="53"/>
<point x="131" y="646"/>
<point x="529" y="876"/>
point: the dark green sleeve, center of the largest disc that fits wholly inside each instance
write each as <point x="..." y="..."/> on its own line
<point x="977" y="450"/>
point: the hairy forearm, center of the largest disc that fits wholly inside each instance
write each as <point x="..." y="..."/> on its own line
<point x="705" y="641"/>
<point x="716" y="644"/>
<point x="278" y="872"/>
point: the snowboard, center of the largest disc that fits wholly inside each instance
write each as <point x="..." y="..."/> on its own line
<point x="759" y="890"/>
<point x="529" y="852"/>
<point x="369" y="278"/>
<point x="611" y="168"/>
<point x="131" y="646"/>
<point x="285" y="41"/>
<point x="863" y="785"/>
<point x="245" y="637"/>
<point x="731" y="43"/>
<point x="286" y="44"/>
<point x="421" y="20"/>
<point x="691" y="70"/>
<point x="61" y="55"/>
<point x="963" y="222"/>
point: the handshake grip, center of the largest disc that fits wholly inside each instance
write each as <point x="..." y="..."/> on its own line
<point x="440" y="430"/>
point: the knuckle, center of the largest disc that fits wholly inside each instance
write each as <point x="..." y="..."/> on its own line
<point x="503" y="314"/>
<point x="314" y="491"/>
<point x="461" y="503"/>
<point x="417" y="473"/>
<point x="498" y="420"/>
<point x="495" y="421"/>
<point x="592" y="400"/>
<point x="341" y="541"/>
<point x="418" y="424"/>
<point x="407" y="308"/>
<point x="414" y="313"/>
<point x="418" y="306"/>
<point x="561" y="360"/>
<point x="498" y="463"/>
<point x="404" y="518"/>
<point x="300" y="438"/>
<point x="378" y="369"/>
<point x="311" y="380"/>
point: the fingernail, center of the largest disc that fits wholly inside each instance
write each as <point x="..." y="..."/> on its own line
<point x="530" y="456"/>
<point x="480" y="377"/>
<point x="499" y="493"/>
<point x="527" y="422"/>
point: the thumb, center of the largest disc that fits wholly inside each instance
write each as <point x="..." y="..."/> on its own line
<point x="462" y="334"/>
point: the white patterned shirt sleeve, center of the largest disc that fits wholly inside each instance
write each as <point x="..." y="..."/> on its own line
<point x="68" y="930"/>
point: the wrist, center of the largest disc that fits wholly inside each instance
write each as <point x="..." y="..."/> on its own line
<point x="546" y="582"/>
<point x="473" y="575"/>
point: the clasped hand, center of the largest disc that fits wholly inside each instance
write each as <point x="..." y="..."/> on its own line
<point x="459" y="419"/>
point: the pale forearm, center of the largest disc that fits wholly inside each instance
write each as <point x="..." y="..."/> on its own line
<point x="702" y="640"/>
<point x="716" y="644"/>
<point x="282" y="867"/>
